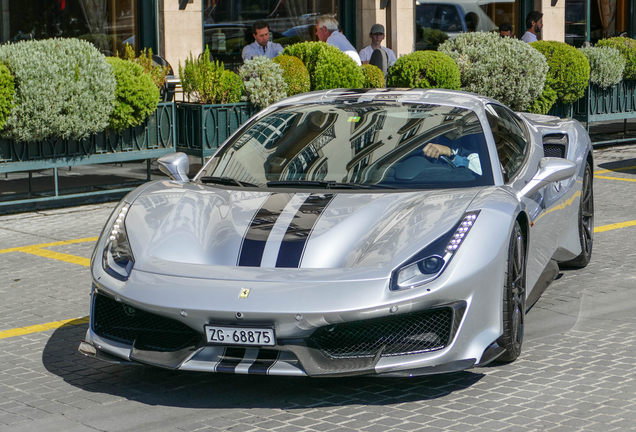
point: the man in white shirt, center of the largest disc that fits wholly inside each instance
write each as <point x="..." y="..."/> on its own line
<point x="377" y="36"/>
<point x="327" y="31"/>
<point x="262" y="45"/>
<point x="534" y="24"/>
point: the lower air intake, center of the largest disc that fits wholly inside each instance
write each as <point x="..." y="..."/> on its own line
<point x="410" y="333"/>
<point x="123" y="323"/>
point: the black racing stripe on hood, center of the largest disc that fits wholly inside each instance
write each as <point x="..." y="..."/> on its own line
<point x="264" y="362"/>
<point x="295" y="239"/>
<point x="230" y="360"/>
<point x="253" y="245"/>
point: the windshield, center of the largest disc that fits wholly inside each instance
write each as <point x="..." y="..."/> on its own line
<point x="357" y="145"/>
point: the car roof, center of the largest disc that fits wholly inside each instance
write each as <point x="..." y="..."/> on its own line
<point x="461" y="99"/>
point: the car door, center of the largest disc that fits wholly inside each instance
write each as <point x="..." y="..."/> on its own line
<point x="520" y="162"/>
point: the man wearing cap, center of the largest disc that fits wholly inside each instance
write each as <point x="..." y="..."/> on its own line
<point x="377" y="36"/>
<point x="327" y="31"/>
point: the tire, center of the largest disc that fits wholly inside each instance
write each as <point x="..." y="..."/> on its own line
<point x="586" y="222"/>
<point x="514" y="302"/>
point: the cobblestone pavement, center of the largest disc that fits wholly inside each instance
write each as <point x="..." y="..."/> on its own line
<point x="577" y="370"/>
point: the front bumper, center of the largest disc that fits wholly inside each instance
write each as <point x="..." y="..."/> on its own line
<point x="440" y="328"/>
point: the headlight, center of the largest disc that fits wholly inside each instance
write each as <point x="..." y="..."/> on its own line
<point x="117" y="259"/>
<point x="431" y="262"/>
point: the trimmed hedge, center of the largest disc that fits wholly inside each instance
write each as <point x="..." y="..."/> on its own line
<point x="263" y="80"/>
<point x="606" y="65"/>
<point x="373" y="77"/>
<point x="328" y="67"/>
<point x="7" y="90"/>
<point x="505" y="69"/>
<point x="569" y="72"/>
<point x="425" y="69"/>
<point x="64" y="88"/>
<point x="295" y="74"/>
<point x="627" y="48"/>
<point x="136" y="94"/>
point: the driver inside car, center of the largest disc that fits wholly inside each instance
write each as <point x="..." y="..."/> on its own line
<point x="460" y="156"/>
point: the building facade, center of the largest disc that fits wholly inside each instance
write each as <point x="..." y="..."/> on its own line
<point x="175" y="29"/>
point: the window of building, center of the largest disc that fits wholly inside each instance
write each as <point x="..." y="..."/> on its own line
<point x="607" y="18"/>
<point x="107" y="24"/>
<point x="436" y="18"/>
<point x="228" y="24"/>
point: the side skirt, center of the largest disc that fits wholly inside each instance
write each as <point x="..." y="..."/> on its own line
<point x="549" y="274"/>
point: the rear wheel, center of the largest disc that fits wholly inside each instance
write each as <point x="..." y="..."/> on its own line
<point x="586" y="222"/>
<point x="514" y="302"/>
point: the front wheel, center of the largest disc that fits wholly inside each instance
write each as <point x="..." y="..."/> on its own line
<point x="514" y="302"/>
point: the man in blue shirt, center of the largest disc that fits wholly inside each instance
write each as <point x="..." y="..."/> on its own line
<point x="262" y="45"/>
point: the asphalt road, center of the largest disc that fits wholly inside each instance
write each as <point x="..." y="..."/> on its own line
<point x="577" y="370"/>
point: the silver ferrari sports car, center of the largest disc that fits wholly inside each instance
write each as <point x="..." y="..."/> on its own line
<point x="344" y="232"/>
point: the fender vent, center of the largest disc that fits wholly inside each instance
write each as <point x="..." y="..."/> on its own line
<point x="555" y="145"/>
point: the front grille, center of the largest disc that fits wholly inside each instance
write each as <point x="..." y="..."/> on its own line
<point x="410" y="333"/>
<point x="123" y="323"/>
<point x="554" y="150"/>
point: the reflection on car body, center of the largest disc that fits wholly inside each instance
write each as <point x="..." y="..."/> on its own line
<point x="319" y="240"/>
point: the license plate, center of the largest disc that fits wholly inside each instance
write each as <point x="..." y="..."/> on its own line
<point x="240" y="336"/>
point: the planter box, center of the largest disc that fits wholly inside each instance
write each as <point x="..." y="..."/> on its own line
<point x="154" y="138"/>
<point x="203" y="128"/>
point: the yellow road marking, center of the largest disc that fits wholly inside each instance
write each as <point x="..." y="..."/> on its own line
<point x="616" y="178"/>
<point x="43" y="245"/>
<point x="615" y="169"/>
<point x="615" y="226"/>
<point x="73" y="259"/>
<point x="21" y="331"/>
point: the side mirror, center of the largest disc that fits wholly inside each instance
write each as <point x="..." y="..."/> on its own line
<point x="175" y="165"/>
<point x="551" y="170"/>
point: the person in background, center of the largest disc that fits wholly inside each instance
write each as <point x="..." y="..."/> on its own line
<point x="377" y="36"/>
<point x="327" y="31"/>
<point x="262" y="45"/>
<point x="534" y="24"/>
<point x="505" y="30"/>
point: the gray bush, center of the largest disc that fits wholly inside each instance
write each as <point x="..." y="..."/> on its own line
<point x="606" y="65"/>
<point x="505" y="69"/>
<point x="64" y="88"/>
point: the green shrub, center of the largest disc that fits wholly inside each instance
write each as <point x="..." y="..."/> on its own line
<point x="627" y="48"/>
<point x="569" y="72"/>
<point x="232" y="88"/>
<point x="544" y="102"/>
<point x="157" y="72"/>
<point x="373" y="77"/>
<point x="209" y="83"/>
<point x="433" y="37"/>
<point x="606" y="65"/>
<point x="263" y="80"/>
<point x="424" y="69"/>
<point x="64" y="88"/>
<point x="7" y="90"/>
<point x="136" y="94"/>
<point x="295" y="74"/>
<point x="328" y="67"/>
<point x="505" y="69"/>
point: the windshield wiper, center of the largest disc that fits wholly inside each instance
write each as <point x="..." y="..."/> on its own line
<point x="326" y="184"/>
<point x="226" y="181"/>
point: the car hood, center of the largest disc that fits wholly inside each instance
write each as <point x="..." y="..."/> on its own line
<point x="203" y="231"/>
